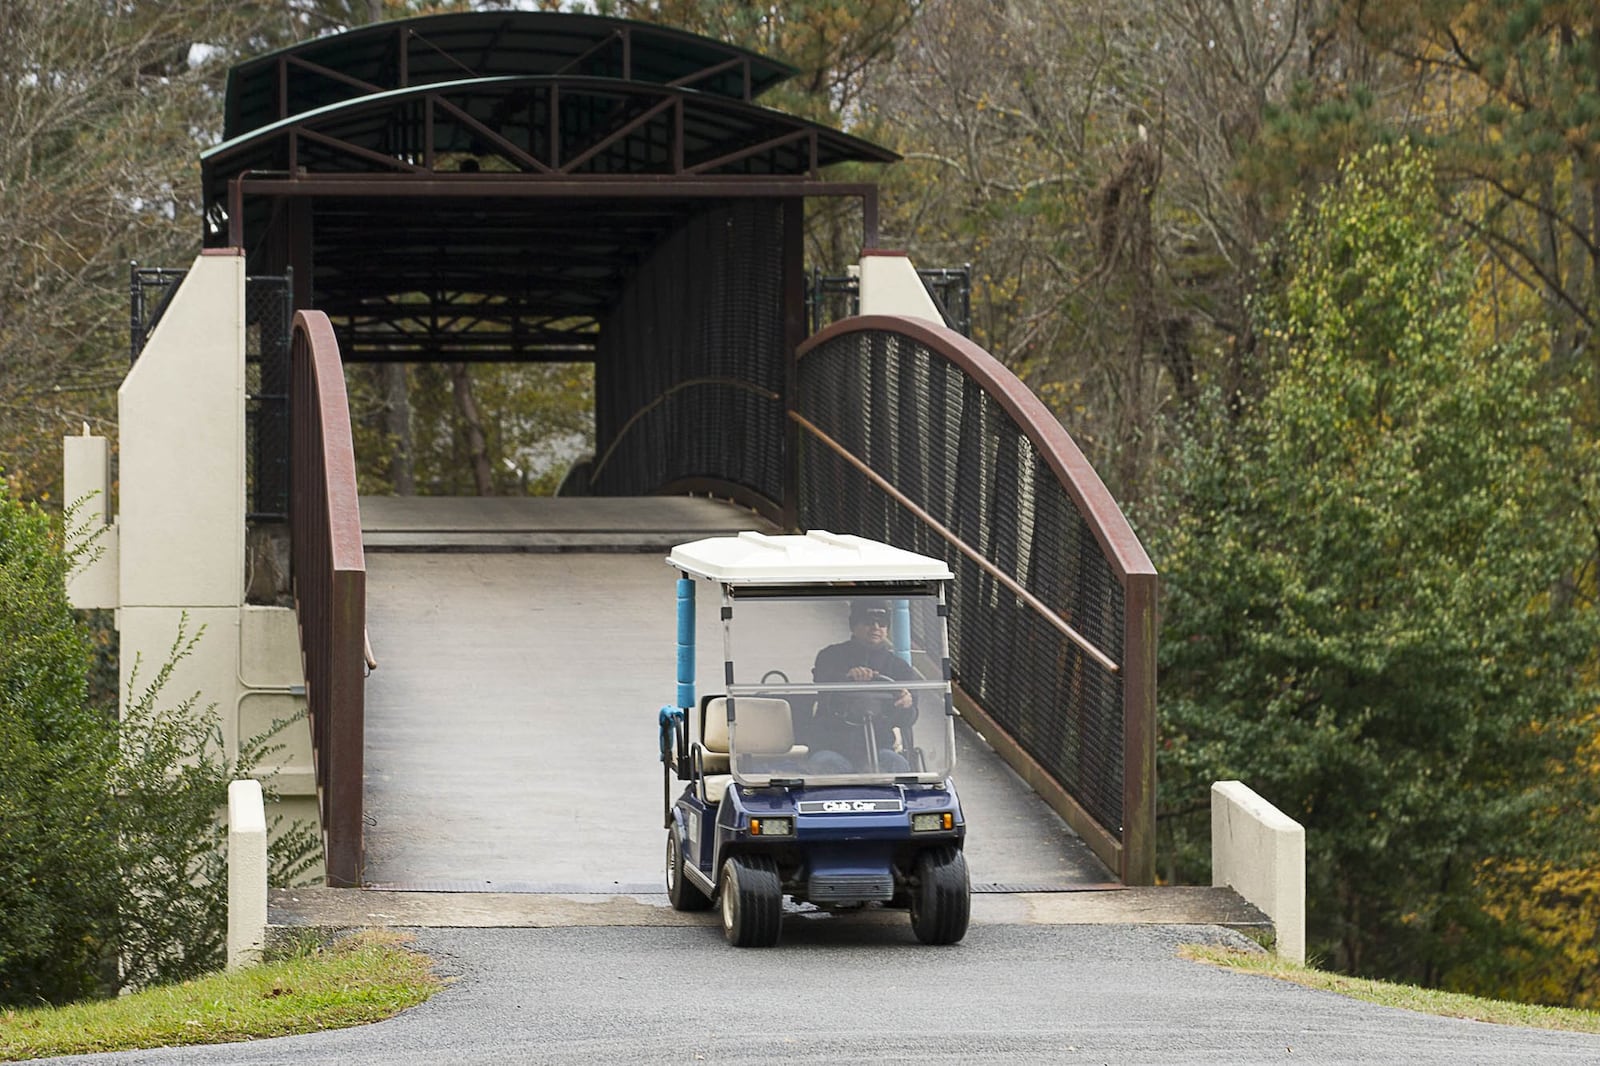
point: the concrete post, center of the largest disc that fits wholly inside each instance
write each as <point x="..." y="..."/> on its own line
<point x="86" y="474"/>
<point x="890" y="286"/>
<point x="247" y="874"/>
<point x="1260" y="853"/>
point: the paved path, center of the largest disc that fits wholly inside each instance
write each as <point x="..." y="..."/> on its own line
<point x="848" y="992"/>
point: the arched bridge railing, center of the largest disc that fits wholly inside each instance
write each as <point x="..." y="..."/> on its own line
<point x="912" y="434"/>
<point x="330" y="586"/>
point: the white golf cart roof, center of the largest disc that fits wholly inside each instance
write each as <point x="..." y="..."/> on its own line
<point x="817" y="556"/>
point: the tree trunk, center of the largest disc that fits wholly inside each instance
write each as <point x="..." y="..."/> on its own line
<point x="397" y="427"/>
<point x="472" y="422"/>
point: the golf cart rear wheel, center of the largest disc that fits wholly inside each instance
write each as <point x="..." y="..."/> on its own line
<point x="683" y="893"/>
<point x="941" y="899"/>
<point x="752" y="902"/>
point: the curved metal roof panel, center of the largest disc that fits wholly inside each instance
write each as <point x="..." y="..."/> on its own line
<point x="443" y="48"/>
<point x="603" y="126"/>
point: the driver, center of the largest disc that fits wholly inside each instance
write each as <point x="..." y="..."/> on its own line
<point x="866" y="657"/>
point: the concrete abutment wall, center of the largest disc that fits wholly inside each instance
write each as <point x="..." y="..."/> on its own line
<point x="173" y="555"/>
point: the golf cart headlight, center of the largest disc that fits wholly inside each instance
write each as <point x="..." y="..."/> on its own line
<point x="928" y="823"/>
<point x="771" y="827"/>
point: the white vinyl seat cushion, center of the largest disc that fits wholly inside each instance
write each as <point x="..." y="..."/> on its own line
<point x="765" y="727"/>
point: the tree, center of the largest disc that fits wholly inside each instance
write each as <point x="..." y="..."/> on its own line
<point x="56" y="845"/>
<point x="104" y="110"/>
<point x="1372" y="616"/>
<point x="1511" y="106"/>
<point x="1085" y="157"/>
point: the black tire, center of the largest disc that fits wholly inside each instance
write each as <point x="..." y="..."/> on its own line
<point x="941" y="899"/>
<point x="752" y="902"/>
<point x="683" y="893"/>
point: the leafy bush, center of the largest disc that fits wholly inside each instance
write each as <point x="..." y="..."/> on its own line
<point x="113" y="864"/>
<point x="171" y="787"/>
<point x="57" y="847"/>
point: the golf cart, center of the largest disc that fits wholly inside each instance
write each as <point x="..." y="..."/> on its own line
<point x="829" y="786"/>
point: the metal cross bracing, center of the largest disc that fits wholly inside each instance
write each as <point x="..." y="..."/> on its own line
<point x="509" y="171"/>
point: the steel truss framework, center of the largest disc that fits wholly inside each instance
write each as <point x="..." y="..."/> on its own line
<point x="482" y="187"/>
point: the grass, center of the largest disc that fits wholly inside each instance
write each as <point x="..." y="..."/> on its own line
<point x="1405" y="997"/>
<point x="363" y="978"/>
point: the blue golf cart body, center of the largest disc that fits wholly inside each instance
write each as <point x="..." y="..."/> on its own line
<point x="802" y="779"/>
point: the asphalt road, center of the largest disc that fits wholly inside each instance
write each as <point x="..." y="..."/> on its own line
<point x="841" y="991"/>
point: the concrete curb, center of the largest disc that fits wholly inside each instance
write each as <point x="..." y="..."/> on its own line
<point x="1261" y="852"/>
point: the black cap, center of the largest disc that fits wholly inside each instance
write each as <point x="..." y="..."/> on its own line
<point x="865" y="608"/>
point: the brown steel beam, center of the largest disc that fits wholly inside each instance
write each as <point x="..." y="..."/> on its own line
<point x="754" y="149"/>
<point x="618" y="134"/>
<point x="380" y="158"/>
<point x="512" y="150"/>
<point x="318" y="68"/>
<point x="525" y="186"/>
<point x="1139" y="729"/>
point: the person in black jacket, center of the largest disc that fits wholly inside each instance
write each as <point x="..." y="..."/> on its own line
<point x="843" y="718"/>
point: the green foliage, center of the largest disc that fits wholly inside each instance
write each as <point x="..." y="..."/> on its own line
<point x="112" y="859"/>
<point x="55" y="844"/>
<point x="1508" y="97"/>
<point x="171" y="788"/>
<point x="536" y="419"/>
<point x="1370" y="617"/>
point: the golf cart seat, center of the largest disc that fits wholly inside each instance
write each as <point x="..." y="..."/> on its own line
<point x="765" y="728"/>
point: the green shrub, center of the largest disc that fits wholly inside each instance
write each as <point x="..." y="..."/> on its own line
<point x="57" y="851"/>
<point x="171" y="787"/>
<point x="113" y="864"/>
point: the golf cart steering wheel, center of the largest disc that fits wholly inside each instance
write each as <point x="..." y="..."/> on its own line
<point x="859" y="708"/>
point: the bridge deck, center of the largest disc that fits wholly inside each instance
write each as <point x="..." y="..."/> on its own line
<point x="524" y="647"/>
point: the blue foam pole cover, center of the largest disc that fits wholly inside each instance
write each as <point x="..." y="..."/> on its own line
<point x="902" y="629"/>
<point x="685" y="642"/>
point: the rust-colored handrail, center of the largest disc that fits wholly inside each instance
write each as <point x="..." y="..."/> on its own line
<point x="330" y="587"/>
<point x="1130" y="847"/>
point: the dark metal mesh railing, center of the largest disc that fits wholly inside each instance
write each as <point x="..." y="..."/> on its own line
<point x="150" y="289"/>
<point x="689" y="374"/>
<point x="330" y="582"/>
<point x="269" y="312"/>
<point x="915" y="436"/>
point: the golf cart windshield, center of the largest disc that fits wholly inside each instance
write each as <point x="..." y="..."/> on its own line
<point x="835" y="689"/>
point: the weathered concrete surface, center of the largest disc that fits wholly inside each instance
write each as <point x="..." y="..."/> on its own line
<point x="511" y="722"/>
<point x="337" y="908"/>
<point x="447" y="523"/>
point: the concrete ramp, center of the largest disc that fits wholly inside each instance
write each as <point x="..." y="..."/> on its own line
<point x="524" y="649"/>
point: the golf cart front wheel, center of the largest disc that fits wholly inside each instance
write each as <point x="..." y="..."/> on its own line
<point x="941" y="899"/>
<point x="683" y="893"/>
<point x="752" y="902"/>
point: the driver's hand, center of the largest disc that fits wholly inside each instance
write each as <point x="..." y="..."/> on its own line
<point x="904" y="699"/>
<point x="861" y="673"/>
